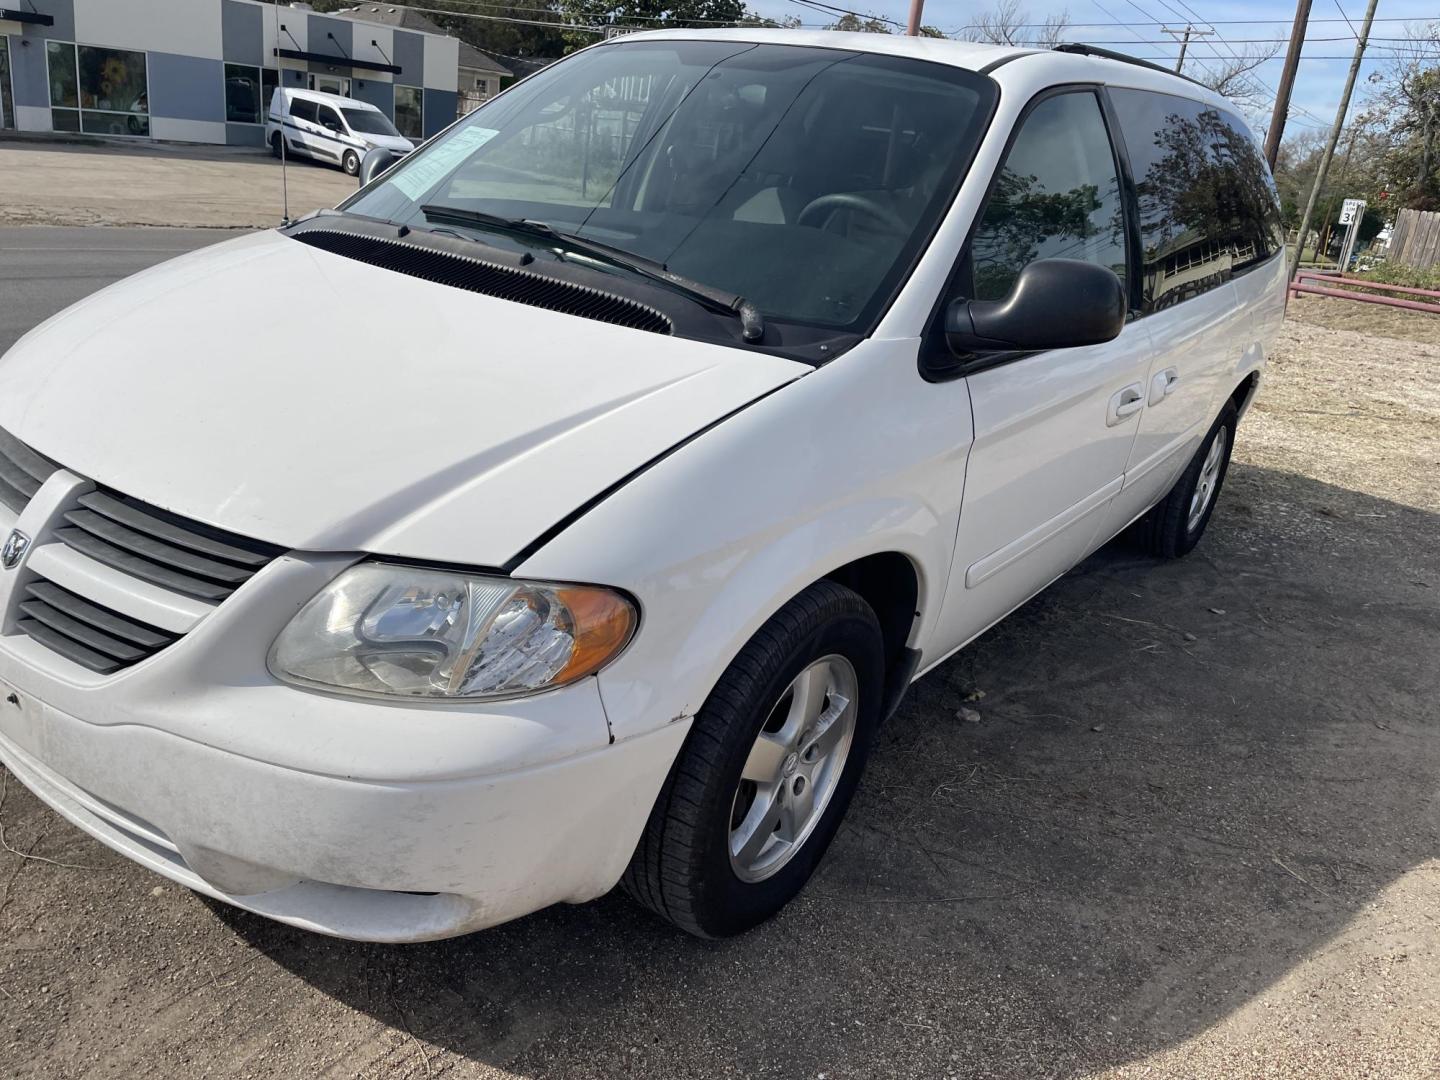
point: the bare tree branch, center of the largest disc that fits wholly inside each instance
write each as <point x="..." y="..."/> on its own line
<point x="1009" y="24"/>
<point x="1230" y="76"/>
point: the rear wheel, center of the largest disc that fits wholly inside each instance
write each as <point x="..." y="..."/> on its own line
<point x="350" y="163"/>
<point x="768" y="769"/>
<point x="275" y="144"/>
<point x="1174" y="526"/>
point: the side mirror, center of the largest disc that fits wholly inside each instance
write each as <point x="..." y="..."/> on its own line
<point x="376" y="161"/>
<point x="1054" y="304"/>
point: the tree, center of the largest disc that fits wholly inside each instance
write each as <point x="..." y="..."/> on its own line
<point x="1407" y="95"/>
<point x="785" y="22"/>
<point x="1008" y="24"/>
<point x="1230" y="77"/>
<point x="856" y="24"/>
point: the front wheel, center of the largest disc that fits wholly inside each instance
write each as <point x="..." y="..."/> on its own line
<point x="768" y="770"/>
<point x="351" y="163"/>
<point x="1174" y="526"/>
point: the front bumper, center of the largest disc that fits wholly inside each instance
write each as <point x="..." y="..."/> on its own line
<point x="373" y="819"/>
<point x="369" y="860"/>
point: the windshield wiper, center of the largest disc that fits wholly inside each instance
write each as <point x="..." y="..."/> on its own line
<point x="752" y="325"/>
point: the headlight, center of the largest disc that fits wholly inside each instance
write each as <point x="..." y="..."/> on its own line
<point x="381" y="628"/>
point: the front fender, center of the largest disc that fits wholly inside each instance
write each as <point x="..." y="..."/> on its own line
<point x="859" y="458"/>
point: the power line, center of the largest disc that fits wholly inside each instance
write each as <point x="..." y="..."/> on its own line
<point x="831" y="9"/>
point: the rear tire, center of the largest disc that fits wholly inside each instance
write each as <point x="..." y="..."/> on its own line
<point x="275" y="144"/>
<point x="351" y="163"/>
<point x="709" y="859"/>
<point x="1174" y="526"/>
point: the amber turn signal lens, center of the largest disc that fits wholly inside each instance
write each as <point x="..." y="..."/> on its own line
<point x="604" y="622"/>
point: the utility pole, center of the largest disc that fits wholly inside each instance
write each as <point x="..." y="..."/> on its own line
<point x="917" y="9"/>
<point x="1335" y="129"/>
<point x="1324" y="240"/>
<point x="1184" y="37"/>
<point x="1287" y="82"/>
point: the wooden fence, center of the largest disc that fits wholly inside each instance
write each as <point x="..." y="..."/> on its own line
<point x="1415" y="240"/>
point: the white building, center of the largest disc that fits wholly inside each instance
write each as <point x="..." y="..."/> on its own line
<point x="203" y="70"/>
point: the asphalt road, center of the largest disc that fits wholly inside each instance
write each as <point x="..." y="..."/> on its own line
<point x="1193" y="834"/>
<point x="45" y="269"/>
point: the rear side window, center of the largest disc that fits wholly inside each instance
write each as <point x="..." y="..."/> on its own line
<point x="301" y="109"/>
<point x="1207" y="203"/>
<point x="1057" y="197"/>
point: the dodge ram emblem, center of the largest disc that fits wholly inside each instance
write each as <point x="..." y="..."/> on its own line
<point x="16" y="544"/>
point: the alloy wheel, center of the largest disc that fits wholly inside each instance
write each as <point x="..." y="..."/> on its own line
<point x="793" y="768"/>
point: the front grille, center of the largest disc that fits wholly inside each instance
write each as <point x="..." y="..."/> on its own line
<point x="22" y="471"/>
<point x="492" y="279"/>
<point x="164" y="549"/>
<point x="92" y="636"/>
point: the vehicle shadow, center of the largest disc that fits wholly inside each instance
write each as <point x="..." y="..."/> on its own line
<point x="1185" y="779"/>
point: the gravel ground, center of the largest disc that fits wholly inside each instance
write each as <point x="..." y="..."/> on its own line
<point x="1194" y="834"/>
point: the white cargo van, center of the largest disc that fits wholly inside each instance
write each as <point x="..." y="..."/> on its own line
<point x="668" y="416"/>
<point x="330" y="128"/>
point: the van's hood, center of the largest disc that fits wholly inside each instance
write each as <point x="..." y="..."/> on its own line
<point x="296" y="396"/>
<point x="397" y="143"/>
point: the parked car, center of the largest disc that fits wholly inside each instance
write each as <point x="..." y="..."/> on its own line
<point x="637" y="443"/>
<point x="330" y="128"/>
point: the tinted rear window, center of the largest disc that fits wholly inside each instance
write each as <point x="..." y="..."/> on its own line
<point x="1207" y="203"/>
<point x="301" y="109"/>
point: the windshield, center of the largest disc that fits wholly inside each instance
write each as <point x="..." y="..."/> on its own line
<point x="368" y="123"/>
<point x="804" y="179"/>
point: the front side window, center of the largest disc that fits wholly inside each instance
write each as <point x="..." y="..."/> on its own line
<point x="367" y="122"/>
<point x="1056" y="197"/>
<point x="326" y="117"/>
<point x="1207" y="203"/>
<point x="410" y="111"/>
<point x="804" y="179"/>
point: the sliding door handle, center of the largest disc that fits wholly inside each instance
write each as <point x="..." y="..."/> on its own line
<point x="1163" y="385"/>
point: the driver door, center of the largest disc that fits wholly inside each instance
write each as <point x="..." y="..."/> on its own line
<point x="1053" y="430"/>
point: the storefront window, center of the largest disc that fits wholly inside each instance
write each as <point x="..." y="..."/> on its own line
<point x="98" y="91"/>
<point x="410" y="111"/>
<point x="7" y="107"/>
<point x="242" y="94"/>
<point x="63" y="82"/>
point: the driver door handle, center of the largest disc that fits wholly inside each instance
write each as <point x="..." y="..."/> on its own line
<point x="1125" y="402"/>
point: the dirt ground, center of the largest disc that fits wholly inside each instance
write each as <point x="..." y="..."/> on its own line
<point x="48" y="183"/>
<point x="1194" y="834"/>
<point x="1377" y="319"/>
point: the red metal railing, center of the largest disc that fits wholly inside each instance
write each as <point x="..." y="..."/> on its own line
<point x="1298" y="286"/>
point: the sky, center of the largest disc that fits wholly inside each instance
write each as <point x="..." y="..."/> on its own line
<point x="1317" y="87"/>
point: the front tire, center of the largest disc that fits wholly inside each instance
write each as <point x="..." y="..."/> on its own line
<point x="1174" y="526"/>
<point x="351" y="163"/>
<point x="768" y="770"/>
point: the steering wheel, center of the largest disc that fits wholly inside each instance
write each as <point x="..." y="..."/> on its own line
<point x="848" y="200"/>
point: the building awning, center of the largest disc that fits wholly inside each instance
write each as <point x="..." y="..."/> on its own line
<point x="16" y="15"/>
<point x="337" y="61"/>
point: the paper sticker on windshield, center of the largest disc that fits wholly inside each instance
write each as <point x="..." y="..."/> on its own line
<point x="440" y="160"/>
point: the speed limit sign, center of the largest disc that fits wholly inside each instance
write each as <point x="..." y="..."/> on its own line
<point x="1350" y="210"/>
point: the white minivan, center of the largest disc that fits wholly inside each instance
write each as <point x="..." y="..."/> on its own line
<point x="671" y="414"/>
<point x="330" y="128"/>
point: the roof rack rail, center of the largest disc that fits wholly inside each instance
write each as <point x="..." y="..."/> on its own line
<point x="1125" y="58"/>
